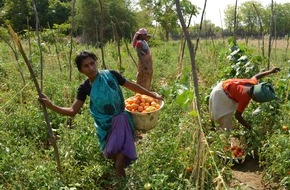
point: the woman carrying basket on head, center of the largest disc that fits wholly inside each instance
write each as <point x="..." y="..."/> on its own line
<point x="145" y="68"/>
<point x="114" y="126"/>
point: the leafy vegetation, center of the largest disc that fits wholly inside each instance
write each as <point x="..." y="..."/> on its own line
<point x="167" y="154"/>
<point x="183" y="151"/>
<point x="120" y="19"/>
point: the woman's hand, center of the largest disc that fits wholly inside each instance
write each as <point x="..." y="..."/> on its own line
<point x="275" y="70"/>
<point x="44" y="100"/>
<point x="158" y="96"/>
<point x="242" y="121"/>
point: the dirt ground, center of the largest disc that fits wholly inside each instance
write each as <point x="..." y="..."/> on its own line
<point x="248" y="175"/>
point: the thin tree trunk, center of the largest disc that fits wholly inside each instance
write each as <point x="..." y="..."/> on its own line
<point x="200" y="26"/>
<point x="102" y="34"/>
<point x="38" y="42"/>
<point x="270" y="35"/>
<point x="117" y="42"/>
<point x="182" y="44"/>
<point x="287" y="45"/>
<point x="126" y="44"/>
<point x="222" y="27"/>
<point x="261" y="30"/>
<point x="275" y="36"/>
<point x="28" y="34"/>
<point x="235" y="23"/>
<point x="71" y="40"/>
<point x="195" y="80"/>
<point x="52" y="138"/>
<point x="212" y="41"/>
<point x="56" y="48"/>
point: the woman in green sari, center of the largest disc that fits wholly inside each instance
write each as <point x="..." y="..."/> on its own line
<point x="114" y="125"/>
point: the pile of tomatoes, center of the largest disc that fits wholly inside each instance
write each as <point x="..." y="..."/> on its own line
<point x="237" y="151"/>
<point x="142" y="104"/>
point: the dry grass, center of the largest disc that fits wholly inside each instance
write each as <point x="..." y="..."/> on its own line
<point x="277" y="44"/>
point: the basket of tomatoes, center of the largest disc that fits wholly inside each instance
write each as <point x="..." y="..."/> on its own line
<point x="144" y="110"/>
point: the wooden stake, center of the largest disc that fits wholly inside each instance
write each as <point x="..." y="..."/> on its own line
<point x="50" y="132"/>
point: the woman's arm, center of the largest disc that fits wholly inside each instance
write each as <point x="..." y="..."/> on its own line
<point x="68" y="111"/>
<point x="263" y="74"/>
<point x="242" y="121"/>
<point x="139" y="89"/>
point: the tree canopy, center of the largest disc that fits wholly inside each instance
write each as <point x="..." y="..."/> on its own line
<point x="120" y="19"/>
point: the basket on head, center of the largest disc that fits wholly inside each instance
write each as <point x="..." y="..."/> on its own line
<point x="148" y="120"/>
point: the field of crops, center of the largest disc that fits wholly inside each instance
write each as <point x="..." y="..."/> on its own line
<point x="181" y="152"/>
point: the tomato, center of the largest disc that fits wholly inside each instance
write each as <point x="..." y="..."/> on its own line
<point x="189" y="169"/>
<point x="142" y="104"/>
<point x="147" y="186"/>
<point x="284" y="128"/>
<point x="237" y="151"/>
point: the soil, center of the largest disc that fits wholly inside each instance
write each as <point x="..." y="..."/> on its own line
<point x="248" y="175"/>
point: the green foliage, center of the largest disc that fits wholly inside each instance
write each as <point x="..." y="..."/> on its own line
<point x="21" y="14"/>
<point x="27" y="161"/>
<point x="114" y="19"/>
<point x="16" y="12"/>
<point x="51" y="36"/>
<point x="120" y="19"/>
<point x="266" y="118"/>
<point x="58" y="12"/>
<point x="242" y="63"/>
<point x="163" y="12"/>
<point x="281" y="15"/>
<point x="275" y="158"/>
<point x="247" y="18"/>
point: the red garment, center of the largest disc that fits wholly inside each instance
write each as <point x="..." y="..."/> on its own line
<point x="143" y="47"/>
<point x="235" y="88"/>
<point x="139" y="44"/>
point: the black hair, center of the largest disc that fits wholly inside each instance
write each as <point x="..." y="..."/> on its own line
<point x="84" y="55"/>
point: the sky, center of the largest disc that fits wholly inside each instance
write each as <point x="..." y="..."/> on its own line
<point x="215" y="9"/>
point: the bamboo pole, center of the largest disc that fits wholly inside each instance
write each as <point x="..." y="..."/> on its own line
<point x="287" y="45"/>
<point x="270" y="35"/>
<point x="261" y="30"/>
<point x="29" y="43"/>
<point x="56" y="48"/>
<point x="52" y="138"/>
<point x="235" y="23"/>
<point x="200" y="26"/>
<point x="38" y="42"/>
<point x="223" y="37"/>
<point x="182" y="47"/>
<point x="195" y="81"/>
<point x="126" y="44"/>
<point x="71" y="40"/>
<point x="102" y="34"/>
<point x="117" y="43"/>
